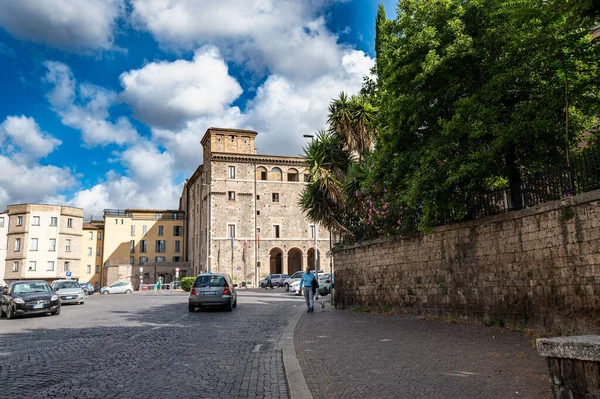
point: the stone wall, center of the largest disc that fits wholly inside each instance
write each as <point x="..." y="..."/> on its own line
<point x="538" y="267"/>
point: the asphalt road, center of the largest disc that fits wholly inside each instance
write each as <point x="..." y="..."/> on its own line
<point x="148" y="345"/>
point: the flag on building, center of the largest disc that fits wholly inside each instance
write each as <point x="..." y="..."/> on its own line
<point x="258" y="239"/>
<point x="244" y="251"/>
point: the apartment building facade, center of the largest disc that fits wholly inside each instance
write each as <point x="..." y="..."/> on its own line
<point x="143" y="243"/>
<point x="3" y="244"/>
<point x="43" y="242"/>
<point x="242" y="211"/>
<point x="91" y="253"/>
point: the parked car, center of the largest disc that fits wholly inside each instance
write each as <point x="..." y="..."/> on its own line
<point x="88" y="288"/>
<point x="325" y="283"/>
<point x="215" y="289"/>
<point x="276" y="280"/>
<point x="120" y="287"/>
<point x="28" y="297"/>
<point x="68" y="291"/>
<point x="294" y="277"/>
<point x="295" y="288"/>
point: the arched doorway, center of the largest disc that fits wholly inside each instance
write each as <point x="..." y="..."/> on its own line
<point x="311" y="259"/>
<point x="276" y="261"/>
<point x="294" y="261"/>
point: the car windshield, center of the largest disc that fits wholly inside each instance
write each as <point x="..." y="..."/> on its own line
<point x="210" y="281"/>
<point x="66" y="284"/>
<point x="24" y="288"/>
<point x="323" y="276"/>
<point x="297" y="275"/>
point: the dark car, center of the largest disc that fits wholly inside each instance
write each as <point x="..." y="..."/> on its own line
<point x="28" y="297"/>
<point x="213" y="290"/>
<point x="87" y="288"/>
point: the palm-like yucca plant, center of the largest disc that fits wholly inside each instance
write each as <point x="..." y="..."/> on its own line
<point x="330" y="156"/>
<point x="324" y="198"/>
<point x="353" y="118"/>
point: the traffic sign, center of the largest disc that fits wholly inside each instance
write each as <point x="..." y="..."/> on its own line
<point x="239" y="268"/>
<point x="176" y="269"/>
<point x="69" y="274"/>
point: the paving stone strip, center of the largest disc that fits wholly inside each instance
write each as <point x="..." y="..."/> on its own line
<point x="346" y="354"/>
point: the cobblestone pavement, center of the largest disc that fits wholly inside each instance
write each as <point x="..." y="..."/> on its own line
<point x="148" y="345"/>
<point x="346" y="354"/>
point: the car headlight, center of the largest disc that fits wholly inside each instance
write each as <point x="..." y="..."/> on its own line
<point x="18" y="300"/>
<point x="54" y="297"/>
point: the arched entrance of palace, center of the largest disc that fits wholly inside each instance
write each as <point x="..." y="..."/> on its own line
<point x="276" y="264"/>
<point x="311" y="259"/>
<point x="294" y="261"/>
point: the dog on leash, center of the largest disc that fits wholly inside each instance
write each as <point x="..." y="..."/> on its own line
<point x="322" y="306"/>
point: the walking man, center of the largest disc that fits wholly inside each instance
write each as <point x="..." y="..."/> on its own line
<point x="308" y="281"/>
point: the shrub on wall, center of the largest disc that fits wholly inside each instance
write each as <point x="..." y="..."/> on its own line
<point x="186" y="283"/>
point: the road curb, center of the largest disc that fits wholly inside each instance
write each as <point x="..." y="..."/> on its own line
<point x="297" y="387"/>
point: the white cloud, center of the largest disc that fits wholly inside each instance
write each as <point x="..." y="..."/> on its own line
<point x="86" y="107"/>
<point x="147" y="183"/>
<point x="285" y="37"/>
<point x="167" y="94"/>
<point x="184" y="144"/>
<point x="22" y="178"/>
<point x="65" y="24"/>
<point x="24" y="133"/>
<point x="283" y="110"/>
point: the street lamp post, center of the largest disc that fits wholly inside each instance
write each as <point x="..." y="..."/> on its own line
<point x="312" y="137"/>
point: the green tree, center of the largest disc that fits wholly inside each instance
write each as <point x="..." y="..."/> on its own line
<point x="472" y="93"/>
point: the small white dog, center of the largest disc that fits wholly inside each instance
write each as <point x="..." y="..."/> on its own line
<point x="322" y="306"/>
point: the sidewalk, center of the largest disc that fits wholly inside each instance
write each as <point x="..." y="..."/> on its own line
<point x="346" y="354"/>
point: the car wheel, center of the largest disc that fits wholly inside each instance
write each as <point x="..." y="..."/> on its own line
<point x="286" y="286"/>
<point x="191" y="308"/>
<point x="105" y="292"/>
<point x="277" y="285"/>
<point x="128" y="292"/>
<point x="56" y="312"/>
<point x="229" y="307"/>
<point x="235" y="303"/>
<point x="9" y="313"/>
<point x="263" y="285"/>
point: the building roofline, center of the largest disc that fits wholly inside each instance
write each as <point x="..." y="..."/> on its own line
<point x="195" y="175"/>
<point x="257" y="158"/>
<point x="225" y="130"/>
<point x="30" y="203"/>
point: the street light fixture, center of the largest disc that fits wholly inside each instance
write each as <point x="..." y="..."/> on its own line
<point x="312" y="137"/>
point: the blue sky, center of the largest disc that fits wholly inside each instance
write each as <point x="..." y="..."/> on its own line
<point x="104" y="102"/>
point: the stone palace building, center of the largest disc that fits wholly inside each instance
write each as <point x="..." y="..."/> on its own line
<point x="244" y="208"/>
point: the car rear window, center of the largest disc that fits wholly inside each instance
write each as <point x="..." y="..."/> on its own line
<point x="66" y="284"/>
<point x="210" y="281"/>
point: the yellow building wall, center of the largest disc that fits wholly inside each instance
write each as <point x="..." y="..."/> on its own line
<point x="146" y="225"/>
<point x="91" y="256"/>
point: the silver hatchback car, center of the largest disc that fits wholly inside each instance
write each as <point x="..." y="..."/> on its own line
<point x="215" y="289"/>
<point x="69" y="291"/>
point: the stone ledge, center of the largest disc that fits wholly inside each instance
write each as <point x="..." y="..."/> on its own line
<point x="583" y="347"/>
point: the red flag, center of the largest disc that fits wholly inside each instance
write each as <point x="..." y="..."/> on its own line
<point x="258" y="240"/>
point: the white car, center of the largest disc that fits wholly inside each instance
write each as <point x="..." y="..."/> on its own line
<point x="294" y="288"/>
<point x="120" y="287"/>
<point x="294" y="277"/>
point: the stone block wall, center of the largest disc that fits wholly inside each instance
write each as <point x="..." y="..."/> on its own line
<point x="539" y="267"/>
